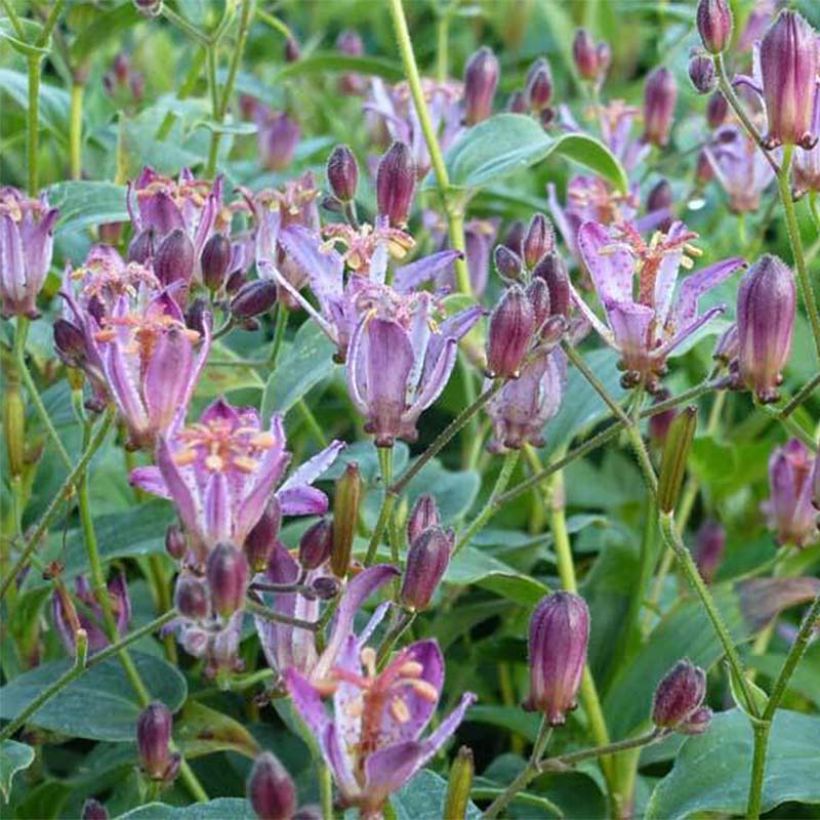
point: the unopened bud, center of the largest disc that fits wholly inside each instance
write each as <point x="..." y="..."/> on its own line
<point x="253" y="299"/>
<point x="175" y="258"/>
<point x="675" y="454"/>
<point x="517" y="103"/>
<point x="292" y="50"/>
<point x="271" y="790"/>
<point x="727" y="347"/>
<point x="154" y="726"/>
<point x="553" y="270"/>
<point x="69" y="342"/>
<point x="149" y="8"/>
<point x="191" y="597"/>
<point x="660" y="198"/>
<point x="343" y="173"/>
<point x="348" y="498"/>
<point x="315" y="544"/>
<point x="396" y="184"/>
<point x="702" y="74"/>
<point x="711" y="543"/>
<point x="260" y="541"/>
<point x="591" y="60"/>
<point x="175" y="543"/>
<point x="660" y="95"/>
<point x="697" y="723"/>
<point x="326" y="587"/>
<point x="539" y="295"/>
<point x="141" y="248"/>
<point x="235" y="282"/>
<point x="459" y="785"/>
<point x="427" y="561"/>
<point x="423" y="516"/>
<point x="714" y="19"/>
<point x="198" y="316"/>
<point x="717" y="109"/>
<point x="215" y="259"/>
<point x="679" y="694"/>
<point x="508" y="263"/>
<point x="480" y="81"/>
<point x="538" y="241"/>
<point x="539" y="86"/>
<point x="227" y="572"/>
<point x="514" y="238"/>
<point x="93" y="810"/>
<point x="512" y="325"/>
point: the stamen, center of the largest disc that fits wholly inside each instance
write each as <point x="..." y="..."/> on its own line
<point x="399" y="710"/>
<point x="424" y="689"/>
<point x="411" y="669"/>
<point x="368" y="657"/>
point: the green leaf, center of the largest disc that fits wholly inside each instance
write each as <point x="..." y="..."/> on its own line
<point x="758" y="696"/>
<point x="83" y="204"/>
<point x="509" y="718"/>
<point x="234" y="808"/>
<point x="423" y="799"/>
<point x="712" y="772"/>
<point x="99" y="705"/>
<point x="217" y="380"/>
<point x="319" y="63"/>
<point x="511" y="142"/>
<point x="105" y="24"/>
<point x="306" y="361"/>
<point x="31" y="30"/>
<point x="14" y="757"/>
<point x="455" y="491"/>
<point x="472" y="566"/>
<point x="200" y="730"/>
<point x="54" y="102"/>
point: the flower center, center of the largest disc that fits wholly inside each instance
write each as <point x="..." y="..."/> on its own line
<point x="222" y="446"/>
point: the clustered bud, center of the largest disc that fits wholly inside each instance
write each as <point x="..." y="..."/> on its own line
<point x="512" y="325"/>
<point x="792" y="480"/>
<point x="480" y="81"/>
<point x="423" y="516"/>
<point x="175" y="258"/>
<point x="316" y="544"/>
<point x="427" y="561"/>
<point x="227" y="573"/>
<point x="702" y="74"/>
<point x="154" y="726"/>
<point x="538" y="89"/>
<point x="191" y="597"/>
<point x="253" y="299"/>
<point x="271" y="790"/>
<point x="678" y="703"/>
<point x="215" y="260"/>
<point x="591" y="59"/>
<point x="714" y="20"/>
<point x="260" y="541"/>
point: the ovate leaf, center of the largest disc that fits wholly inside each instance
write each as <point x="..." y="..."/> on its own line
<point x="234" y="808"/>
<point x="14" y="757"/>
<point x="83" y="204"/>
<point x="423" y="799"/>
<point x="200" y="730"/>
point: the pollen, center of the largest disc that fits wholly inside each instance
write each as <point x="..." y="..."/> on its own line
<point x="399" y="710"/>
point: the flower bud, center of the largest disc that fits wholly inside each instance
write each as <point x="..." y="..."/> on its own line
<point x="507" y="263"/>
<point x="459" y="784"/>
<point x="235" y="282"/>
<point x="727" y="347"/>
<point x="214" y="261"/>
<point x="227" y="573"/>
<point x="539" y="295"/>
<point x="659" y="423"/>
<point x="427" y="561"/>
<point x="704" y="172"/>
<point x="175" y="257"/>
<point x="198" y="316"/>
<point x="141" y="247"/>
<point x="93" y="810"/>
<point x="511" y="327"/>
<point x="278" y="138"/>
<point x="697" y="723"/>
<point x="480" y="81"/>
<point x="271" y="790"/>
<point x="292" y="50"/>
<point x="315" y="544"/>
<point x="326" y="587"/>
<point x="343" y="173"/>
<point x="154" y="726"/>
<point x="423" y="516"/>
<point x="660" y="94"/>
<point x="538" y="241"/>
<point x="714" y="19"/>
<point x="559" y="635"/>
<point x="191" y="597"/>
<point x="514" y="238"/>
<point x="253" y="299"/>
<point x="766" y="303"/>
<point x="591" y="60"/>
<point x="717" y="109"/>
<point x="517" y="103"/>
<point x="679" y="439"/>
<point x="260" y="541"/>
<point x="539" y="86"/>
<point x="702" y="74"/>
<point x="349" y="491"/>
<point x="791" y="484"/>
<point x="553" y="270"/>
<point x="396" y="184"/>
<point x="788" y="65"/>
<point x="149" y="8"/>
<point x="69" y="342"/>
<point x="679" y="695"/>
<point x="711" y="543"/>
<point x="175" y="542"/>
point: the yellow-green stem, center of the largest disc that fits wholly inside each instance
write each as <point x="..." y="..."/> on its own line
<point x="75" y="131"/>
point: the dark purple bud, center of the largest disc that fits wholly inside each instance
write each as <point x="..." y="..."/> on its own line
<point x="235" y="282"/>
<point x="702" y="74"/>
<point x="538" y="293"/>
<point x="679" y="694"/>
<point x="791" y="484"/>
<point x="727" y="347"/>
<point x="215" y="259"/>
<point x="175" y="258"/>
<point x="517" y="103"/>
<point x="591" y="60"/>
<point x="427" y="561"/>
<point x="278" y="138"/>
<point x="559" y="635"/>
<point x="709" y="549"/>
<point x="141" y="249"/>
<point x="697" y="723"/>
<point x="253" y="299"/>
<point x="149" y="8"/>
<point x="227" y="572"/>
<point x="553" y="270"/>
<point x="659" y="423"/>
<point x="661" y="198"/>
<point x="198" y="316"/>
<point x="154" y="726"/>
<point x="261" y="539"/>
<point x="175" y="543"/>
<point x="717" y="109"/>
<point x="292" y="50"/>
<point x="69" y="342"/>
<point x="396" y="184"/>
<point x="343" y="173"/>
<point x="514" y="238"/>
<point x="538" y="241"/>
<point x="346" y="503"/>
<point x="423" y="516"/>
<point x="191" y="597"/>
<point x="349" y="42"/>
<point x="480" y="81"/>
<point x="271" y="790"/>
<point x="766" y="303"/>
<point x="660" y="95"/>
<point x="539" y="86"/>
<point x="508" y="263"/>
<point x="315" y="544"/>
<point x="93" y="810"/>
<point x="326" y="587"/>
<point x="704" y="172"/>
<point x="714" y="19"/>
<point x="788" y="65"/>
<point x="512" y="325"/>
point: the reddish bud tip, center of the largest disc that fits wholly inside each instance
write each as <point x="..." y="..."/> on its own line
<point x="191" y="597"/>
<point x="175" y="257"/>
<point x="141" y="248"/>
<point x="154" y="726"/>
<point x="539" y="86"/>
<point x="553" y="270"/>
<point x="702" y="74"/>
<point x="94" y="810"/>
<point x="253" y="299"/>
<point x="660" y="95"/>
<point x="175" y="542"/>
<point x="423" y="516"/>
<point x="261" y="539"/>
<point x="69" y="342"/>
<point x="508" y="263"/>
<point x="538" y="241"/>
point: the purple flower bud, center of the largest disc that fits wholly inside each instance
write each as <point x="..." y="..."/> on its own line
<point x="660" y="198"/>
<point x="141" y="248"/>
<point x="789" y="509"/>
<point x="714" y="19"/>
<point x="538" y="241"/>
<point x="427" y="561"/>
<point x="517" y="103"/>
<point x="508" y="263"/>
<point x="559" y="635"/>
<point x="660" y="94"/>
<point x="591" y="60"/>
<point x="69" y="342"/>
<point x="766" y="302"/>
<point x="539" y="86"/>
<point x="727" y="347"/>
<point x="175" y="258"/>
<point x="175" y="543"/>
<point x="154" y="726"/>
<point x="292" y="50"/>
<point x="697" y="723"/>
<point x="253" y="299"/>
<point x="709" y="549"/>
<point x="315" y="544"/>
<point x="788" y="64"/>
<point x="93" y="810"/>
<point x="538" y="293"/>
<point x="511" y="327"/>
<point x="198" y="316"/>
<point x="514" y="238"/>
<point x="227" y="572"/>
<point x="278" y="137"/>
<point x="326" y="587"/>
<point x="191" y="597"/>
<point x="149" y="8"/>
<point x="553" y="270"/>
<point x="235" y="282"/>
<point x="702" y="74"/>
<point x="480" y="81"/>
<point x="679" y="694"/>
<point x="396" y="184"/>
<point x="261" y="540"/>
<point x="717" y="109"/>
<point x="350" y="42"/>
<point x="343" y="173"/>
<point x="214" y="261"/>
<point x="271" y="790"/>
<point x="423" y="516"/>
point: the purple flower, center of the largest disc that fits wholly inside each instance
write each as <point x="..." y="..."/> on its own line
<point x="26" y="242"/>
<point x="277" y="137"/>
<point x="372" y="740"/>
<point x="646" y="328"/>
<point x="791" y="483"/>
<point x="222" y="471"/>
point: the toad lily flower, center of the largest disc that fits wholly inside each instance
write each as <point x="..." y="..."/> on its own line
<point x="222" y="471"/>
<point x="372" y="742"/>
<point x="26" y="241"/>
<point x="646" y="328"/>
<point x="792" y="468"/>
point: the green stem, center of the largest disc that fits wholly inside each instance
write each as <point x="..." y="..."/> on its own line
<point x="790" y="424"/>
<point x="275" y="23"/>
<point x="75" y="131"/>
<point x="325" y="789"/>
<point x="185" y="91"/>
<point x="277" y="617"/>
<point x="312" y="425"/>
<point x="455" y="216"/>
<point x="404" y="622"/>
<point x="800" y="396"/>
<point x="210" y="58"/>
<point x="280" y="324"/>
<point x="32" y="149"/>
<point x="181" y="23"/>
<point x="442" y="37"/>
<point x="388" y="502"/>
<point x="600" y="751"/>
<point x="14" y="19"/>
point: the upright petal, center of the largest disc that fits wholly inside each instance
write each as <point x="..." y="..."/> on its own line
<point x="408" y="277"/>
<point x="610" y="265"/>
<point x="697" y="284"/>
